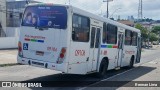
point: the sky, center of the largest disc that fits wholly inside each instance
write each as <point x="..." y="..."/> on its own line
<point x="124" y="8"/>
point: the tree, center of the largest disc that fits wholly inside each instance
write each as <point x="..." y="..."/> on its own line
<point x="156" y="29"/>
<point x="153" y="37"/>
<point x="144" y="31"/>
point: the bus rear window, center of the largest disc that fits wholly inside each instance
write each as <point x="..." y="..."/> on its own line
<point x="45" y="16"/>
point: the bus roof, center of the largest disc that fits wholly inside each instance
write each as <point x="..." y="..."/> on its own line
<point x="91" y="15"/>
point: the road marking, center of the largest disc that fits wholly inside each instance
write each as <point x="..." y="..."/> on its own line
<point x="136" y="66"/>
<point x="107" y="79"/>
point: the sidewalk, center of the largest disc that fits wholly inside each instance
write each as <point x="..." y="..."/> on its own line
<point x="149" y="51"/>
<point x="8" y="56"/>
<point x="147" y="73"/>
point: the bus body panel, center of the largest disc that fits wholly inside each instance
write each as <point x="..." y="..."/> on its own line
<point x="53" y="66"/>
<point x="41" y="46"/>
<point x="79" y="52"/>
<point x="53" y="42"/>
<point x="129" y="51"/>
<point x="111" y="54"/>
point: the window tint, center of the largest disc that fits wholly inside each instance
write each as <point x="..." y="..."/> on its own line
<point x="97" y="38"/>
<point x="93" y="31"/>
<point x="128" y="35"/>
<point x="134" y="38"/>
<point x="111" y="34"/>
<point x="81" y="26"/>
<point x="104" y="33"/>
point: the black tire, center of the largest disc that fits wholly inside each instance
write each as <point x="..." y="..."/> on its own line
<point x="131" y="63"/>
<point x="102" y="69"/>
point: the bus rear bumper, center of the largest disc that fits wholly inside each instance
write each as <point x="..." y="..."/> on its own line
<point x="43" y="64"/>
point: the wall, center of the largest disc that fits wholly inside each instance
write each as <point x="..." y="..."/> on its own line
<point x="12" y="31"/>
<point x="3" y="13"/>
<point x="11" y="41"/>
<point x="8" y="42"/>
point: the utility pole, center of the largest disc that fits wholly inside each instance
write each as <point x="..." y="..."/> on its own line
<point x="140" y="13"/>
<point x="107" y="7"/>
<point x="69" y="2"/>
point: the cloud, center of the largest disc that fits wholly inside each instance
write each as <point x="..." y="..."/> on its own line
<point x="151" y="9"/>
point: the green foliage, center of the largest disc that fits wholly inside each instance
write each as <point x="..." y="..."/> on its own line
<point x="156" y="29"/>
<point x="144" y="31"/>
<point x="153" y="37"/>
<point x="147" y="20"/>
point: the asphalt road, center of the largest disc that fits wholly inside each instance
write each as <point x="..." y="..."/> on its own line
<point x="29" y="73"/>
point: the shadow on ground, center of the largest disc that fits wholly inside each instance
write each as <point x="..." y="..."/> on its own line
<point x="72" y="82"/>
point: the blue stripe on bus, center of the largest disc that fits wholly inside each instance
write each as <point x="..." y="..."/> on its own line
<point x="103" y="46"/>
<point x="41" y="41"/>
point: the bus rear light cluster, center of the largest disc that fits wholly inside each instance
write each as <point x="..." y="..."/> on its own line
<point x="20" y="49"/>
<point x="62" y="55"/>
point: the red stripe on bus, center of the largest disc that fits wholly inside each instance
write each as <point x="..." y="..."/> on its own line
<point x="27" y="39"/>
<point x="115" y="46"/>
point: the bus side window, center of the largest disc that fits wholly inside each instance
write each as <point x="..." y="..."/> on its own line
<point x="104" y="40"/>
<point x="97" y="38"/>
<point x="128" y="39"/>
<point x="80" y="28"/>
<point x="134" y="38"/>
<point x="93" y="31"/>
<point x="111" y="34"/>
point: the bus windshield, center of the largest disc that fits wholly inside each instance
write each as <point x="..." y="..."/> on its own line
<point x="45" y="16"/>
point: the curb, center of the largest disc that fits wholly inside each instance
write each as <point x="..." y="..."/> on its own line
<point x="9" y="64"/>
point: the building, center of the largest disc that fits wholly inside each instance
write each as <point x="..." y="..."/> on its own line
<point x="131" y="18"/>
<point x="127" y="22"/>
<point x="2" y="18"/>
<point x="15" y="10"/>
<point x="156" y="23"/>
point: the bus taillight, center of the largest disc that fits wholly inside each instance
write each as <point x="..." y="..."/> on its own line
<point x="61" y="55"/>
<point x="19" y="46"/>
<point x="20" y="49"/>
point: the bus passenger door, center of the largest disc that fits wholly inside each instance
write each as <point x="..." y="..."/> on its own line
<point x="138" y="57"/>
<point x="120" y="48"/>
<point x="94" y="48"/>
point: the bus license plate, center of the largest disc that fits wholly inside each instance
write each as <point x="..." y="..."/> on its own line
<point x="40" y="53"/>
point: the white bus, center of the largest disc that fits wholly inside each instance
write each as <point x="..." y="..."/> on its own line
<point x="68" y="39"/>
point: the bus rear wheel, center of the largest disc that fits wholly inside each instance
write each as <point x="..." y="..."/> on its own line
<point x="102" y="69"/>
<point x="131" y="63"/>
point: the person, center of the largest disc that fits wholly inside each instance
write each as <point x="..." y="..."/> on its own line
<point x="28" y="19"/>
<point x="34" y="20"/>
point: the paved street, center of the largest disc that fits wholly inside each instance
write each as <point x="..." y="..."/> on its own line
<point x="148" y="70"/>
<point x="8" y="56"/>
